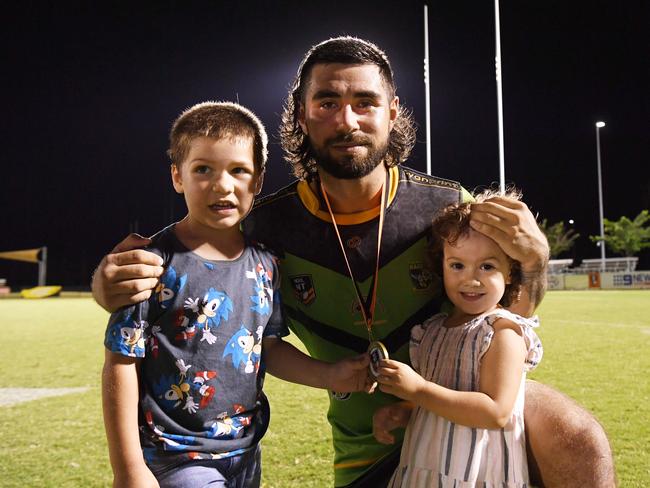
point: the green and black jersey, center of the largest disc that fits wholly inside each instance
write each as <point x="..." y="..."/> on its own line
<point x="319" y="298"/>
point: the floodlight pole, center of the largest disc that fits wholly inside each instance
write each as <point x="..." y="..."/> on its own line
<point x="427" y="90"/>
<point x="599" y="125"/>
<point x="497" y="65"/>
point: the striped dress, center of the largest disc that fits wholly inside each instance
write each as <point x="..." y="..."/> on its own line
<point x="439" y="453"/>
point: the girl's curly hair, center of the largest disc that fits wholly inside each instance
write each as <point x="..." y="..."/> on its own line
<point x="452" y="224"/>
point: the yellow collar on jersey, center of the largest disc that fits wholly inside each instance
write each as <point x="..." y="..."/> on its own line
<point x="312" y="203"/>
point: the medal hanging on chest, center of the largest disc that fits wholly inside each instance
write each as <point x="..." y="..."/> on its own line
<point x="376" y="350"/>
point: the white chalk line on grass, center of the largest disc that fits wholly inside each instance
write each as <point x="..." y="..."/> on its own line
<point x="642" y="327"/>
<point x="13" y="396"/>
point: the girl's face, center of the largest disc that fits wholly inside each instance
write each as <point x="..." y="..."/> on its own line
<point x="475" y="273"/>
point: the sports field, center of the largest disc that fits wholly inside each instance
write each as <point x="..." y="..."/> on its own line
<point x="597" y="350"/>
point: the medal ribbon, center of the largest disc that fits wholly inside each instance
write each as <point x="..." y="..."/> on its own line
<point x="368" y="306"/>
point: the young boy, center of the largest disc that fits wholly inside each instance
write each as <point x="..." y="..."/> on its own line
<point x="183" y="372"/>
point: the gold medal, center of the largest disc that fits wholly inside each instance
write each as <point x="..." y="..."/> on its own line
<point x="377" y="351"/>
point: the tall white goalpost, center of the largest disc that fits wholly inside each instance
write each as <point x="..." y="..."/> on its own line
<point x="497" y="65"/>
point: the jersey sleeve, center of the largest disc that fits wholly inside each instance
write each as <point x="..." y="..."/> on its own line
<point x="465" y="196"/>
<point x="276" y="326"/>
<point x="128" y="331"/>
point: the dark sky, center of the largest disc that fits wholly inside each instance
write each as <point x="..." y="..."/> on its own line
<point x="89" y="92"/>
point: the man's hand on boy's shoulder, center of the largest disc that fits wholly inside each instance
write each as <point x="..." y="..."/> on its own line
<point x="127" y="274"/>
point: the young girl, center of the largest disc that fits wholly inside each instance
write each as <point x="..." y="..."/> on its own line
<point x="467" y="385"/>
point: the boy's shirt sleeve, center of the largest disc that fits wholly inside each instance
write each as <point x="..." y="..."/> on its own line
<point x="276" y="326"/>
<point x="128" y="330"/>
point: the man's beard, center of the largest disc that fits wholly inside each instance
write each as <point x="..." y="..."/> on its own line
<point x="348" y="167"/>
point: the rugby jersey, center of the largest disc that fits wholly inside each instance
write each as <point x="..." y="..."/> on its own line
<point x="319" y="300"/>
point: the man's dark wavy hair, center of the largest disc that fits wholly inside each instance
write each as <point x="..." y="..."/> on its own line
<point x="346" y="50"/>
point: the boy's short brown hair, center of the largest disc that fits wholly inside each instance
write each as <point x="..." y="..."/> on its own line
<point x="217" y="120"/>
<point x="452" y="223"/>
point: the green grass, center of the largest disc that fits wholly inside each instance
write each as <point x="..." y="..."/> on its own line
<point x="597" y="350"/>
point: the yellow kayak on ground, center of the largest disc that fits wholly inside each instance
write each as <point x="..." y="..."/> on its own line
<point x="41" y="291"/>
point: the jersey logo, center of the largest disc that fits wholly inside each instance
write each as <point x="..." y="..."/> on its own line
<point x="421" y="277"/>
<point x="303" y="288"/>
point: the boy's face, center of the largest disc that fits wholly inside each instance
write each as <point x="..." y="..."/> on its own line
<point x="219" y="181"/>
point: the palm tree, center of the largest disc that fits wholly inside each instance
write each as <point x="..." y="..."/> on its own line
<point x="559" y="239"/>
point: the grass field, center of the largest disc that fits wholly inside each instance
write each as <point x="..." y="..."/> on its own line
<point x="597" y="350"/>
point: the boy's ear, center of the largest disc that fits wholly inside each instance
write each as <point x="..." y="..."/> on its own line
<point x="177" y="180"/>
<point x="301" y="119"/>
<point x="258" y="184"/>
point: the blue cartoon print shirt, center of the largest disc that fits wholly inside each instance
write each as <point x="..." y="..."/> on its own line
<point x="200" y="337"/>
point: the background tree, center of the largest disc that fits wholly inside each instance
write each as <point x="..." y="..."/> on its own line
<point x="625" y="236"/>
<point x="559" y="238"/>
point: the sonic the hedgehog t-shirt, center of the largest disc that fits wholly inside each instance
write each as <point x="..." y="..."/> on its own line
<point x="199" y="338"/>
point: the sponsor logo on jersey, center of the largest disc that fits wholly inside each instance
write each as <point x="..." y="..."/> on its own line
<point x="303" y="288"/>
<point x="340" y="396"/>
<point x="421" y="277"/>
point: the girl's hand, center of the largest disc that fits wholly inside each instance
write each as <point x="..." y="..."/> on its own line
<point x="399" y="379"/>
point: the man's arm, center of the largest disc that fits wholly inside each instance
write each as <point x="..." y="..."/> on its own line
<point x="512" y="225"/>
<point x="120" y="404"/>
<point x="286" y="362"/>
<point x="126" y="275"/>
<point x="566" y="445"/>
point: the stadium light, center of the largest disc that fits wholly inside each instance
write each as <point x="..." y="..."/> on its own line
<point x="599" y="125"/>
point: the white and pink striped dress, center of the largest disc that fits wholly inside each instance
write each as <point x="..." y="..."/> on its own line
<point x="440" y="453"/>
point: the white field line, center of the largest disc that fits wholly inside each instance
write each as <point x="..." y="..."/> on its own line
<point x="596" y="322"/>
<point x="12" y="396"/>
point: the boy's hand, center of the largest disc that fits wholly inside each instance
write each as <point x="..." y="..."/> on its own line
<point x="399" y="379"/>
<point x="351" y="374"/>
<point x="140" y="477"/>
<point x="126" y="275"/>
<point x="389" y="418"/>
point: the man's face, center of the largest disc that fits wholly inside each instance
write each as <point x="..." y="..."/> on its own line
<point x="347" y="115"/>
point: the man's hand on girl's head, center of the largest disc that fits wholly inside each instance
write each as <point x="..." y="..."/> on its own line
<point x="513" y="227"/>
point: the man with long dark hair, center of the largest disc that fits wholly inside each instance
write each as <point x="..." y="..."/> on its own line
<point x="351" y="233"/>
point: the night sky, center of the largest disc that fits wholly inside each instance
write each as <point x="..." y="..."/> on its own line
<point x="89" y="92"/>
